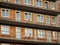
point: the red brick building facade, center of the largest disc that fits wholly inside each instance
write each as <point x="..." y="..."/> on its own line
<point x="19" y="16"/>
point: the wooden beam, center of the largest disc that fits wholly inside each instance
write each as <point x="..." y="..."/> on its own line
<point x="13" y="41"/>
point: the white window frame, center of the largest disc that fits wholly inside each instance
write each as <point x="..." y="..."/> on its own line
<point x="54" y="35"/>
<point x="39" y="3"/>
<point x="40" y="20"/>
<point x="17" y="2"/>
<point x="54" y="22"/>
<point x="27" y="3"/>
<point x="18" y="16"/>
<point x="48" y="19"/>
<point x="53" y="8"/>
<point x="5" y="30"/>
<point x="41" y="33"/>
<point x="29" y="16"/>
<point x="18" y="33"/>
<point x="48" y="36"/>
<point x="45" y="5"/>
<point x="28" y="32"/>
<point x="5" y="13"/>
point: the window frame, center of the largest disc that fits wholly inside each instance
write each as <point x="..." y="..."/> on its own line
<point x="46" y="19"/>
<point x="44" y="5"/>
<point x="18" y="2"/>
<point x="40" y="18"/>
<point x="18" y="16"/>
<point x="41" y="33"/>
<point x="54" y="36"/>
<point x="54" y="7"/>
<point x="3" y="31"/>
<point x="48" y="33"/>
<point x="5" y="13"/>
<point x="18" y="33"/>
<point x="54" y="19"/>
<point x="27" y="33"/>
<point x="27" y="3"/>
<point x="30" y="16"/>
<point x="39" y="3"/>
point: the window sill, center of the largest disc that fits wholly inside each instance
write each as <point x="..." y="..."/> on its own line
<point x="41" y="39"/>
<point x="5" y="34"/>
<point x="39" y="6"/>
<point x="26" y="4"/>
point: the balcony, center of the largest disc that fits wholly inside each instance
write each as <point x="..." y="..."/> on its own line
<point x="14" y="41"/>
<point x="26" y="40"/>
<point x="28" y="8"/>
<point x="28" y="25"/>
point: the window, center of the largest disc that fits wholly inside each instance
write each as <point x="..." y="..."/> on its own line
<point x="53" y="20"/>
<point x="27" y="16"/>
<point x="52" y="5"/>
<point x="47" y="19"/>
<point x="28" y="32"/>
<point x="41" y="34"/>
<point x="27" y="1"/>
<point x="5" y="29"/>
<point x="40" y="18"/>
<point x="17" y="1"/>
<point x="18" y="33"/>
<point x="5" y="44"/>
<point x="17" y="16"/>
<point x="46" y="5"/>
<point x="54" y="35"/>
<point x="48" y="36"/>
<point x="5" y="12"/>
<point x="39" y="3"/>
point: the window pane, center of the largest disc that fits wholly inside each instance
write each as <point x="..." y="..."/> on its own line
<point x="53" y="20"/>
<point x="47" y="19"/>
<point x="28" y="16"/>
<point x="46" y="5"/>
<point x="5" y="29"/>
<point x="54" y="35"/>
<point x="5" y="13"/>
<point x="41" y="34"/>
<point x="28" y="32"/>
<point x="17" y="15"/>
<point x="40" y="18"/>
<point x="39" y="3"/>
<point x="52" y="5"/>
<point x="17" y="1"/>
<point x="48" y="36"/>
<point x="18" y="29"/>
<point x="18" y="33"/>
<point x="27" y="1"/>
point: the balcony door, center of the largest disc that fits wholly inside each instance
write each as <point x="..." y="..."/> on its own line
<point x="18" y="33"/>
<point x="48" y="36"/>
<point x="46" y="5"/>
<point x="17" y="15"/>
